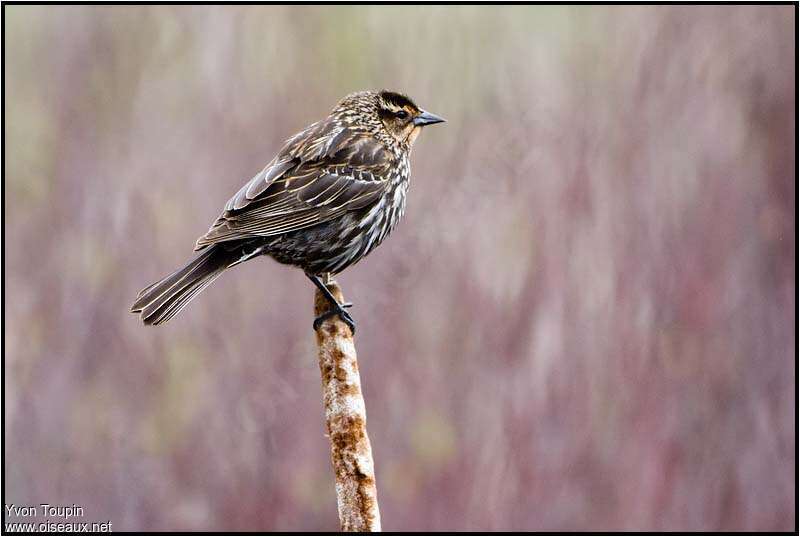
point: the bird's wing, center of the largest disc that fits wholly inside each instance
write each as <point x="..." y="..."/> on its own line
<point x="321" y="173"/>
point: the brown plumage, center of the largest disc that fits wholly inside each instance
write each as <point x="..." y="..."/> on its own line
<point x="328" y="198"/>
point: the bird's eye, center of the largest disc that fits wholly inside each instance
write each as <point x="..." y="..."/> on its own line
<point x="401" y="114"/>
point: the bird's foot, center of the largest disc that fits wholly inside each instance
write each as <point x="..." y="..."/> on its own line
<point x="338" y="309"/>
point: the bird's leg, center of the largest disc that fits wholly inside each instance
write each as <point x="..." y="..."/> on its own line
<point x="337" y="309"/>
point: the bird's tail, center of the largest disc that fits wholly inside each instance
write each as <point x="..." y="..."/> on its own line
<point x="162" y="300"/>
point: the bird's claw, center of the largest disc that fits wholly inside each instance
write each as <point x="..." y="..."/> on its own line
<point x="339" y="310"/>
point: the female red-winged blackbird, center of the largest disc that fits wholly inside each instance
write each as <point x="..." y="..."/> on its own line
<point x="331" y="195"/>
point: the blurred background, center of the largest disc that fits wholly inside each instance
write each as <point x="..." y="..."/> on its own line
<point x="585" y="320"/>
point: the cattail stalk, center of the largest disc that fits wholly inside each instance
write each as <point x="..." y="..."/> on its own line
<point x="346" y="421"/>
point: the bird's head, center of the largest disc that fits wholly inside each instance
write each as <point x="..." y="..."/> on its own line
<point x="401" y="117"/>
<point x="391" y="113"/>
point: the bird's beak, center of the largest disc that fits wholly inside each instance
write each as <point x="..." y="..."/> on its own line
<point x="426" y="118"/>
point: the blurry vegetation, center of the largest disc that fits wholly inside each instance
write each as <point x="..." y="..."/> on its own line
<point x="594" y="281"/>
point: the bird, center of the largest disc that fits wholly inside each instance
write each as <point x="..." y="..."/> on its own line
<point x="330" y="196"/>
